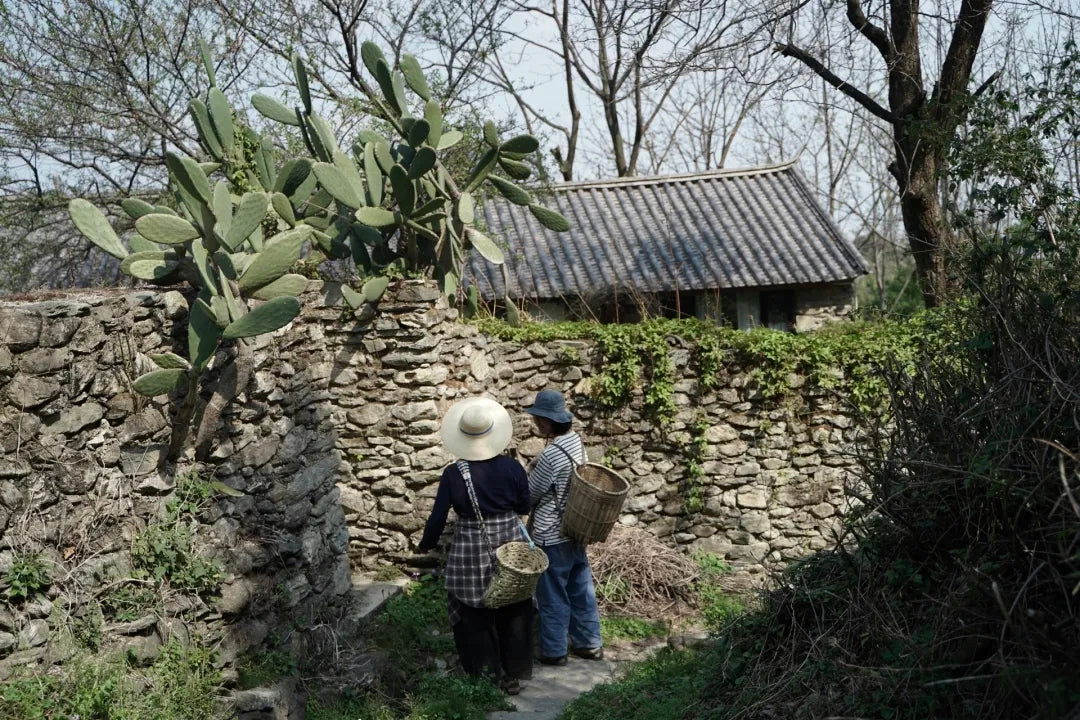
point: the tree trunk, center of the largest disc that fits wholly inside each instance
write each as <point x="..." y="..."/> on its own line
<point x="928" y="235"/>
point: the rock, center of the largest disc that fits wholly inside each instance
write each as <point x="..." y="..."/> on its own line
<point x="44" y="360"/>
<point x="257" y="700"/>
<point x="141" y="426"/>
<point x="11" y="468"/>
<point x="754" y="522"/>
<point x="393" y="486"/>
<point x="235" y="596"/>
<point x="723" y="433"/>
<point x="135" y="627"/>
<point x="755" y="552"/>
<point x="33" y="634"/>
<point x="143" y="649"/>
<point x="432" y="458"/>
<point x="397" y="506"/>
<point x="367" y="414"/>
<point x="176" y="305"/>
<point x="174" y="630"/>
<point x="142" y="460"/>
<point x="19" y="329"/>
<point x="156" y="484"/>
<point x="58" y="332"/>
<point x="417" y="294"/>
<point x="798" y="496"/>
<point x="31" y="392"/>
<point x="479" y="367"/>
<point x="822" y="510"/>
<point x="415" y="411"/>
<point x="7" y="362"/>
<point x="434" y="375"/>
<point x="733" y="449"/>
<point x="7" y="643"/>
<point x="74" y="419"/>
<point x="295" y="590"/>
<point x="259" y="452"/>
<point x="305" y="482"/>
<point x="752" y="499"/>
<point x="120" y="406"/>
<point x="356" y="500"/>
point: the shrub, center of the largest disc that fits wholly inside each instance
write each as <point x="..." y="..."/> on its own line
<point x="29" y="575"/>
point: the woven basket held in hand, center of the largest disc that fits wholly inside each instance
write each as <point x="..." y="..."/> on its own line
<point x="518" y="567"/>
<point x="594" y="502"/>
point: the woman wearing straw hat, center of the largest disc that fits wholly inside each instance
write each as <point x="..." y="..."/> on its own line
<point x="565" y="594"/>
<point x="496" y="641"/>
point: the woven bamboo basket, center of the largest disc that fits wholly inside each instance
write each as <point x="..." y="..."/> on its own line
<point x="518" y="567"/>
<point x="594" y="502"/>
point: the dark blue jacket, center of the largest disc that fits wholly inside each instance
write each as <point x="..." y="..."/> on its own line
<point x="501" y="486"/>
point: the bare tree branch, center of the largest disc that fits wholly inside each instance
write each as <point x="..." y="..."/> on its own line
<point x="854" y="93"/>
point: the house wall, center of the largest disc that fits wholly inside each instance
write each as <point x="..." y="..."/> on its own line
<point x="812" y="306"/>
<point x="817" y="305"/>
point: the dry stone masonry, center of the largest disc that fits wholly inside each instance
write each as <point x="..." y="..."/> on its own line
<point x="335" y="448"/>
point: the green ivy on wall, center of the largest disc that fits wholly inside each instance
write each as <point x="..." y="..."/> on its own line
<point x="846" y="357"/>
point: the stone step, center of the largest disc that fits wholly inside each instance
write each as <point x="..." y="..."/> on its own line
<point x="370" y="595"/>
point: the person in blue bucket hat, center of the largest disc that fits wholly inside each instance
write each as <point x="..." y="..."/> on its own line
<point x="565" y="595"/>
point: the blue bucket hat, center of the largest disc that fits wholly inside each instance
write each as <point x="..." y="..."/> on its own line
<point x="550" y="404"/>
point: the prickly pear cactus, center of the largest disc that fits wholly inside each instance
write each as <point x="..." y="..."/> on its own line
<point x="386" y="202"/>
<point x="391" y="199"/>
<point x="213" y="240"/>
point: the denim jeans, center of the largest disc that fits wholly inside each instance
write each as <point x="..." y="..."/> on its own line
<point x="567" y="601"/>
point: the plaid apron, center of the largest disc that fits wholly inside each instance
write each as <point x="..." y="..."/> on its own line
<point x="470" y="564"/>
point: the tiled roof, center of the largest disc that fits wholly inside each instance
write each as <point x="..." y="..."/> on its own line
<point x="724" y="229"/>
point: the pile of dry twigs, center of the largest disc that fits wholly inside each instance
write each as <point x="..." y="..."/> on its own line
<point x="636" y="574"/>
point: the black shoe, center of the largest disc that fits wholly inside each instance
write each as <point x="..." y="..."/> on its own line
<point x="561" y="660"/>
<point x="510" y="686"/>
<point x="596" y="653"/>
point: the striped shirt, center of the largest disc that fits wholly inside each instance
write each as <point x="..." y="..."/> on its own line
<point x="553" y="470"/>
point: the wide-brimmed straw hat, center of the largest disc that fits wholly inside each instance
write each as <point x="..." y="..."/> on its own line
<point x="476" y="429"/>
<point x="550" y="404"/>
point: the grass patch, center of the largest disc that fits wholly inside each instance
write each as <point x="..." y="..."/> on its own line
<point x="664" y="687"/>
<point x="180" y="685"/>
<point x="716" y="606"/>
<point x="435" y="697"/>
<point x="265" y="669"/>
<point x="415" y="623"/>
<point x="449" y="697"/>
<point x="630" y="628"/>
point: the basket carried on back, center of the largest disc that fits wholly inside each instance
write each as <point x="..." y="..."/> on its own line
<point x="593" y="503"/>
<point x="518" y="567"/>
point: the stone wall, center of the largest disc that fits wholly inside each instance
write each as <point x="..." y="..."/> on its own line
<point x="775" y="471"/>
<point x="335" y="448"/>
<point x="81" y="481"/>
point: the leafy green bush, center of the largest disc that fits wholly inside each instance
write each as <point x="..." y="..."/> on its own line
<point x="28" y="576"/>
<point x="166" y="549"/>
